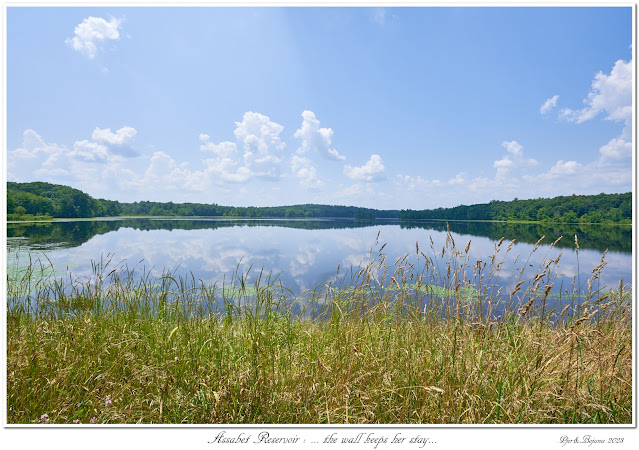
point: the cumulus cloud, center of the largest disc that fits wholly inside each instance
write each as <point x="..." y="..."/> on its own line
<point x="610" y="94"/>
<point x="562" y="169"/>
<point x="549" y="104"/>
<point x="263" y="148"/>
<point x="514" y="159"/>
<point x="86" y="161"/>
<point x="89" y="151"/>
<point x="223" y="167"/>
<point x="121" y="137"/>
<point x="503" y="163"/>
<point x="242" y="175"/>
<point x="91" y="33"/>
<point x="616" y="150"/>
<point x="160" y="168"/>
<point x="315" y="138"/>
<point x="118" y="142"/>
<point x="373" y="170"/>
<point x="32" y="146"/>
<point x="460" y="178"/>
<point x="224" y="149"/>
<point x="513" y="147"/>
<point x="416" y="183"/>
<point x="306" y="173"/>
<point x="87" y="164"/>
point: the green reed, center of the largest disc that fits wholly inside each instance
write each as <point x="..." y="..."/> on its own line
<point x="428" y="338"/>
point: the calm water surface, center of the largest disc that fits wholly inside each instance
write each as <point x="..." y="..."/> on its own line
<point x="306" y="253"/>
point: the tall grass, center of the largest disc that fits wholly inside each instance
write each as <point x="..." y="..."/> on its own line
<point x="430" y="338"/>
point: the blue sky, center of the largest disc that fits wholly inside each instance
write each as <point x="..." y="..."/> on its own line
<point x="410" y="107"/>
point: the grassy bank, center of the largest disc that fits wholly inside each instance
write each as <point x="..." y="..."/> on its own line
<point x="408" y="342"/>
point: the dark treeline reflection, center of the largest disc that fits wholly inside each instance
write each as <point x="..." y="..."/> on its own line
<point x="597" y="237"/>
<point x="72" y="234"/>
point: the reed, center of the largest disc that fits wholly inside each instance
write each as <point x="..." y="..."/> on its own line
<point x="427" y="339"/>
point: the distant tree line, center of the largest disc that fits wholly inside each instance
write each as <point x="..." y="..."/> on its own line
<point x="43" y="200"/>
<point x="602" y="208"/>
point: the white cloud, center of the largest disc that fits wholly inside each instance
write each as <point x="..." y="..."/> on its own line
<point x="160" y="168"/>
<point x="616" y="150"/>
<point x="121" y="137"/>
<point x="352" y="191"/>
<point x="24" y="161"/>
<point x="610" y="94"/>
<point x="92" y="32"/>
<point x="52" y="173"/>
<point x="513" y="147"/>
<point x="262" y="157"/>
<point x="514" y="159"/>
<point x="88" y="165"/>
<point x="315" y="138"/>
<point x="32" y="140"/>
<point x="89" y="151"/>
<point x="460" y="178"/>
<point x="564" y="168"/>
<point x="548" y="105"/>
<point x="262" y="145"/>
<point x="224" y="149"/>
<point x="242" y="175"/>
<point x="373" y="170"/>
<point x="503" y="163"/>
<point x="416" y="183"/>
<point x="303" y="169"/>
<point x="32" y="146"/>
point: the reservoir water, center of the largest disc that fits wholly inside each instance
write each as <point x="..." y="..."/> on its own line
<point x="305" y="254"/>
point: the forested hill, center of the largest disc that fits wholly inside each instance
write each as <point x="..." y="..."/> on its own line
<point x="45" y="199"/>
<point x="571" y="209"/>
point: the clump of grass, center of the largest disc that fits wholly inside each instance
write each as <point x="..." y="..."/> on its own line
<point x="429" y="338"/>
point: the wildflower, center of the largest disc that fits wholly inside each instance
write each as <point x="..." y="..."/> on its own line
<point x="93" y="420"/>
<point x="76" y="420"/>
<point x="107" y="402"/>
<point x="176" y="359"/>
<point x="44" y="418"/>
